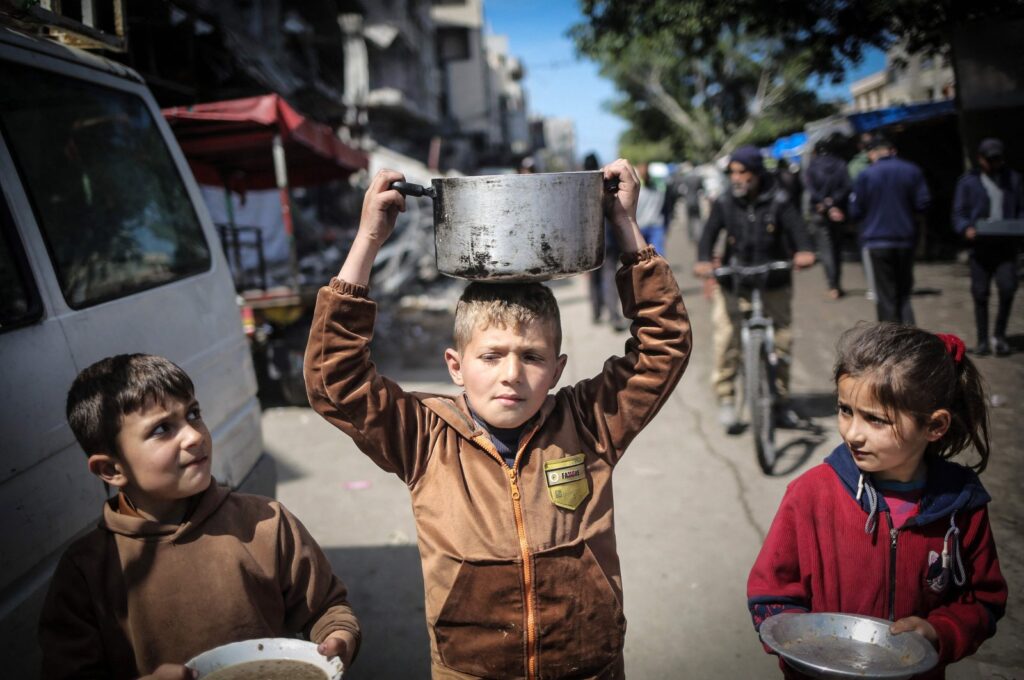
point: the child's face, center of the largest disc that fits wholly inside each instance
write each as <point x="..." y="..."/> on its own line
<point x="165" y="452"/>
<point x="890" y="446"/>
<point x="507" y="373"/>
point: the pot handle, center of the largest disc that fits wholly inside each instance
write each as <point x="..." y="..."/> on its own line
<point x="611" y="185"/>
<point x="410" y="189"/>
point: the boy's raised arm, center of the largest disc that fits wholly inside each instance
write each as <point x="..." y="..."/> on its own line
<point x="630" y="390"/>
<point x="342" y="381"/>
<point x="620" y="205"/>
<point x="381" y="206"/>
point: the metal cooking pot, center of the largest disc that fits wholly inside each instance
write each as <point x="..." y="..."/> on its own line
<point x="516" y="227"/>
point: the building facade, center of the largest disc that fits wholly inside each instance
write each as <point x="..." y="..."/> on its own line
<point x="906" y="79"/>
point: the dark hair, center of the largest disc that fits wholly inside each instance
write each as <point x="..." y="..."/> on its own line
<point x="879" y="141"/>
<point x="111" y="388"/>
<point x="590" y="162"/>
<point x="912" y="372"/>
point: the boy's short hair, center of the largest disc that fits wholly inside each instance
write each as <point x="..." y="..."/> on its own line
<point x="111" y="388"/>
<point x="506" y="305"/>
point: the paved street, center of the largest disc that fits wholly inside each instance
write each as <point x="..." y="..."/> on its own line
<point x="692" y="504"/>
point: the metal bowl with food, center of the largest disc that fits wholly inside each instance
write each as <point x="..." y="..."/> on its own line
<point x="266" y="658"/>
<point x="825" y="645"/>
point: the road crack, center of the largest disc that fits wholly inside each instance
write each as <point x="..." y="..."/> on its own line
<point x="741" y="488"/>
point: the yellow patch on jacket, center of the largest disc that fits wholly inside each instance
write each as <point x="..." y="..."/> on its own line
<point x="567" y="481"/>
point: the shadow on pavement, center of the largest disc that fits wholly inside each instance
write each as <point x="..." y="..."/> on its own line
<point x="814" y="404"/>
<point x="385" y="588"/>
<point x="794" y="454"/>
<point x="285" y="472"/>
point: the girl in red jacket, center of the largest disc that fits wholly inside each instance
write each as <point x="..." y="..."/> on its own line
<point x="888" y="526"/>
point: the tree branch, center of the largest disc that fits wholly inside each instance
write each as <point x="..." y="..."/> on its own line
<point x="764" y="101"/>
<point x="666" y="103"/>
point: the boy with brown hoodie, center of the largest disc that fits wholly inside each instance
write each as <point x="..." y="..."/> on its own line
<point x="178" y="564"/>
<point x="511" y="486"/>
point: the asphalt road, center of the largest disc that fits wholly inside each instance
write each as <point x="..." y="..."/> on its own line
<point x="692" y="504"/>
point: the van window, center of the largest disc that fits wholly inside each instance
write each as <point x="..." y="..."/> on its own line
<point x="107" y="196"/>
<point x="19" y="300"/>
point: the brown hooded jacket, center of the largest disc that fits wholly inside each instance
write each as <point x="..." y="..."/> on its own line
<point x="520" y="567"/>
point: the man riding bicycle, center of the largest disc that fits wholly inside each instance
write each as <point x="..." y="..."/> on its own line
<point x="760" y="226"/>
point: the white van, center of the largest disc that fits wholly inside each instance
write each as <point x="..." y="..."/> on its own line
<point x="105" y="248"/>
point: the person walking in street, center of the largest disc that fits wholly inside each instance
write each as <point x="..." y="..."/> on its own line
<point x="789" y="177"/>
<point x="650" y="210"/>
<point x="990" y="191"/>
<point x="889" y="526"/>
<point x="889" y="198"/>
<point x="761" y="225"/>
<point x="828" y="183"/>
<point x="693" y="193"/>
<point x="603" y="293"/>
<point x="858" y="164"/>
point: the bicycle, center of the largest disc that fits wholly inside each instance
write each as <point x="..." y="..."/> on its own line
<point x="759" y="359"/>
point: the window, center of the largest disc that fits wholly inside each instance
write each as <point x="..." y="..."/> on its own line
<point x="19" y="301"/>
<point x="453" y="44"/>
<point x="106" y="193"/>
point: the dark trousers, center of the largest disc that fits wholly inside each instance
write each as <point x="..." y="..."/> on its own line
<point x="988" y="264"/>
<point x="830" y="248"/>
<point x="894" y="282"/>
<point x="603" y="292"/>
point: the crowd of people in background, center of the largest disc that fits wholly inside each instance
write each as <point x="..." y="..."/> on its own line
<point x="846" y="191"/>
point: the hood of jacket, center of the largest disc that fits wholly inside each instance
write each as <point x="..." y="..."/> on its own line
<point x="456" y="412"/>
<point x="148" y="530"/>
<point x="950" y="487"/>
<point x="768" y="190"/>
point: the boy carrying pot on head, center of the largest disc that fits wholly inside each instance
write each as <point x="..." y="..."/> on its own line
<point x="511" y="486"/>
<point x="178" y="564"/>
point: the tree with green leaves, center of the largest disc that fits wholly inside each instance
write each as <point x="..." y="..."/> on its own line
<point x="831" y="33"/>
<point x="661" y="53"/>
<point x="699" y="103"/>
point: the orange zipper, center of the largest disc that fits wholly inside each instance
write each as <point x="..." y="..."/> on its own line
<point x="524" y="548"/>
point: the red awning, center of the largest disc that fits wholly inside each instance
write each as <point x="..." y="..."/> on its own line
<point x="234" y="139"/>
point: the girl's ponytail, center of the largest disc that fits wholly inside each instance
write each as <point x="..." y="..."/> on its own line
<point x="969" y="409"/>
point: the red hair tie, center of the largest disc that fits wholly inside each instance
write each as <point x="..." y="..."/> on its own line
<point x="954" y="346"/>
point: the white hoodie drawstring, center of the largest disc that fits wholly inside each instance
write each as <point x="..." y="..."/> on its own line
<point x="953" y="533"/>
<point x="865" y="484"/>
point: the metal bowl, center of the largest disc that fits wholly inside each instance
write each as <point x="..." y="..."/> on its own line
<point x="846" y="646"/>
<point x="265" y="649"/>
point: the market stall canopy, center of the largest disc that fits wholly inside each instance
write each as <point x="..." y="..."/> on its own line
<point x="791" y="147"/>
<point x="232" y="141"/>
<point x="867" y="121"/>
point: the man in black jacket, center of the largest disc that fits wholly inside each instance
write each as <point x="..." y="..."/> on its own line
<point x="828" y="183"/>
<point x="990" y="191"/>
<point x="760" y="225"/>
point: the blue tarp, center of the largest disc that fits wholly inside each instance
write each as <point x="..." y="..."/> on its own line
<point x="790" y="147"/>
<point x="911" y="113"/>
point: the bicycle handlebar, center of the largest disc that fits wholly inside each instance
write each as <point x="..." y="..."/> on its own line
<point x="752" y="270"/>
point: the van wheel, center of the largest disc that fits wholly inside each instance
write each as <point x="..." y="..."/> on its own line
<point x="291" y="382"/>
<point x="285" y="357"/>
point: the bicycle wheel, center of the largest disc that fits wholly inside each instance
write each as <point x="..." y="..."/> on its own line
<point x="761" y="399"/>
